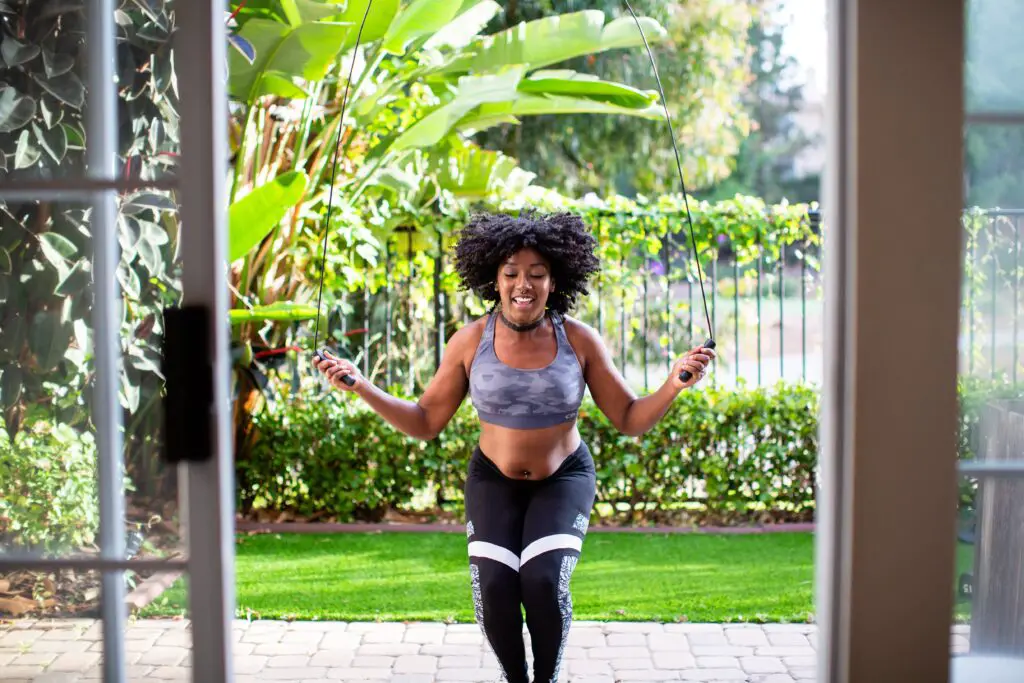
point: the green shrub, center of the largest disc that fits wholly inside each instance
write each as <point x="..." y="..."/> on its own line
<point x="732" y="452"/>
<point x="720" y="455"/>
<point x="48" y="496"/>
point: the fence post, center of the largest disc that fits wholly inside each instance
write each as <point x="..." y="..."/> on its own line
<point x="388" y="326"/>
<point x="622" y="306"/>
<point x="600" y="279"/>
<point x="736" y="311"/>
<point x="439" y="320"/>
<point x="667" y="259"/>
<point x="760" y="274"/>
<point x="782" y="311"/>
<point x="1016" y="294"/>
<point x="644" y="276"/>
<point x="714" y="305"/>
<point x="410" y="342"/>
<point x="366" y="323"/>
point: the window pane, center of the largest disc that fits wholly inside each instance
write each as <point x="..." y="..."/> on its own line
<point x="989" y="609"/>
<point x="48" y="451"/>
<point x="995" y="57"/>
<point x="45" y="95"/>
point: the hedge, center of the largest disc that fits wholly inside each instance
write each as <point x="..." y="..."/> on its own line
<point x="720" y="455"/>
<point x="717" y="453"/>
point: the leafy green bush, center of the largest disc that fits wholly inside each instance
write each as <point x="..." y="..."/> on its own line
<point x="732" y="452"/>
<point x="48" y="496"/>
<point x="720" y="455"/>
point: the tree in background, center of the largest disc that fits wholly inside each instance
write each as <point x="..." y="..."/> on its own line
<point x="764" y="165"/>
<point x="994" y="152"/>
<point x="703" y="67"/>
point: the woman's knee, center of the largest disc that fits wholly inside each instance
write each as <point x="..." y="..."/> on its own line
<point x="546" y="578"/>
<point x="495" y="588"/>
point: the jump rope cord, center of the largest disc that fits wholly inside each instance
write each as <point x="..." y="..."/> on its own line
<point x="334" y="172"/>
<point x="679" y="168"/>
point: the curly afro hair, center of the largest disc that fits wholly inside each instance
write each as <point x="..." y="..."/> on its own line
<point x="561" y="238"/>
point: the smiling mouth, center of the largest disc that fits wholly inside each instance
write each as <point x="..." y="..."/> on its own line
<point x="522" y="301"/>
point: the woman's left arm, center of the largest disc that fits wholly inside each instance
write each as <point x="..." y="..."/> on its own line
<point x="629" y="414"/>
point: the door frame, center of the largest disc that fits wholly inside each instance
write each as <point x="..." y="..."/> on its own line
<point x="207" y="483"/>
<point x="893" y="191"/>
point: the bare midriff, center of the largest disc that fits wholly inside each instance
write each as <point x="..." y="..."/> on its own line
<point x="529" y="454"/>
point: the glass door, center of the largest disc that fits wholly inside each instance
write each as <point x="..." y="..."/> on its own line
<point x="922" y="505"/>
<point x="115" y="462"/>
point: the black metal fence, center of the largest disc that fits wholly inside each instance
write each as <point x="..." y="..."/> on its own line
<point x="767" y="312"/>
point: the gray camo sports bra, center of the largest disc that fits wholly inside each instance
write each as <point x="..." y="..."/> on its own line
<point x="526" y="399"/>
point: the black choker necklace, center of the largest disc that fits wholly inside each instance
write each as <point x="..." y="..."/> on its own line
<point x="516" y="326"/>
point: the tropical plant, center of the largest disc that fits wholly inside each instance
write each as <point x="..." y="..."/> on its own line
<point x="424" y="79"/>
<point x="702" y="62"/>
<point x="46" y="364"/>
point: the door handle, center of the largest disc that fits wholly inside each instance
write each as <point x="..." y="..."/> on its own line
<point x="187" y="366"/>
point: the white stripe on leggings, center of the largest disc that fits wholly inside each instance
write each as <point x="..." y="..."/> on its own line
<point x="549" y="543"/>
<point x="494" y="552"/>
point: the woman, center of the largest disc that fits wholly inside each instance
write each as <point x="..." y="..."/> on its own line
<point x="531" y="481"/>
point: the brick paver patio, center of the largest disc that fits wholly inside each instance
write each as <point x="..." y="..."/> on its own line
<point x="69" y="651"/>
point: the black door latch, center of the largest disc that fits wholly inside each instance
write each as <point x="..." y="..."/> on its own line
<point x="188" y="370"/>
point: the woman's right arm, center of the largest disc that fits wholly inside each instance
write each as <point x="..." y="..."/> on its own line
<point x="423" y="419"/>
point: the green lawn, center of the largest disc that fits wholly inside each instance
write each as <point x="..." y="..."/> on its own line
<point x="424" y="577"/>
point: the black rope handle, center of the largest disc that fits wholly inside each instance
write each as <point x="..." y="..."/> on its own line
<point x="686" y="375"/>
<point x="318" y="353"/>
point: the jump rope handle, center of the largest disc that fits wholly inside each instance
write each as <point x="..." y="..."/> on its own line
<point x="686" y="375"/>
<point x="321" y="355"/>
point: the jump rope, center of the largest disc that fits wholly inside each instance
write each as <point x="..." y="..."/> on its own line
<point x="685" y="375"/>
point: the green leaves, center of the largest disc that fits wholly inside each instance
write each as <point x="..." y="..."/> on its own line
<point x="419" y="18"/>
<point x="281" y="311"/>
<point x="48" y="339"/>
<point x="573" y="84"/>
<point x="304" y="51"/>
<point x="461" y="31"/>
<point x="382" y="14"/>
<point x="472" y="92"/>
<point x="303" y="44"/>
<point x="254" y="215"/>
<point x="554" y="39"/>
<point x="16" y="110"/>
<point x="10" y="385"/>
<point x="57" y="250"/>
<point x="623" y="33"/>
<point x="496" y="113"/>
<point x="66" y="87"/>
<point x="469" y="172"/>
<point x="16" y="52"/>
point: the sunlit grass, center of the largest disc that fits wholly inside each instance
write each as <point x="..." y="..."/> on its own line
<point x="424" y="576"/>
<point x="621" y="577"/>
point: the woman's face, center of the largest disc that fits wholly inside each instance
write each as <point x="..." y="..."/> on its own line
<point x="524" y="283"/>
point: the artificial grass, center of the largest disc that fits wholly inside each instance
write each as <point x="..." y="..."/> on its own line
<point x="425" y="577"/>
<point x="620" y="577"/>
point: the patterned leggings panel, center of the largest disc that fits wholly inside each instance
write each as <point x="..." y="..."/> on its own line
<point x="525" y="539"/>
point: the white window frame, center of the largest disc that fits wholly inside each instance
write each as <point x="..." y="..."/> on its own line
<point x="207" y="492"/>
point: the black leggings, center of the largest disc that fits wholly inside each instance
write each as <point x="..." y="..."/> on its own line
<point x="524" y="540"/>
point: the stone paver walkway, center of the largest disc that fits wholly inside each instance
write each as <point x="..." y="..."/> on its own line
<point x="69" y="651"/>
